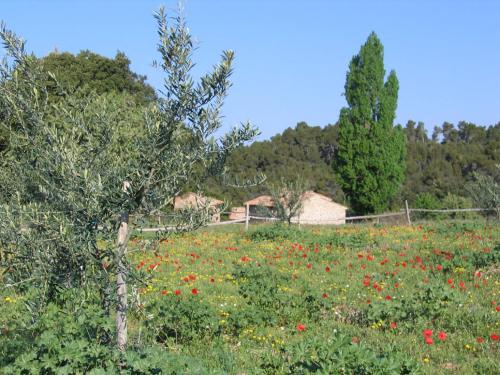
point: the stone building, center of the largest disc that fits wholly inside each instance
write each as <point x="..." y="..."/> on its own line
<point x="193" y="200"/>
<point x="317" y="209"/>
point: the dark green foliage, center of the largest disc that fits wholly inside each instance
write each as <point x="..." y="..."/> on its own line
<point x="273" y="232"/>
<point x="370" y="156"/>
<point x="449" y="162"/>
<point x="432" y="167"/>
<point x="89" y="71"/>
<point x="304" y="148"/>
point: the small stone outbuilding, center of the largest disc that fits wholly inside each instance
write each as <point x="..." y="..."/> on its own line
<point x="317" y="209"/>
<point x="193" y="200"/>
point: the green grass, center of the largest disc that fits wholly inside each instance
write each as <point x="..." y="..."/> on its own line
<point x="330" y="266"/>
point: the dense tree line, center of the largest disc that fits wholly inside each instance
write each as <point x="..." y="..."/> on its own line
<point x="440" y="164"/>
<point x="436" y="164"/>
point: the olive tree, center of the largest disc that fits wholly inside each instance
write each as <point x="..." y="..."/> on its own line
<point x="485" y="191"/>
<point x="288" y="198"/>
<point x="71" y="176"/>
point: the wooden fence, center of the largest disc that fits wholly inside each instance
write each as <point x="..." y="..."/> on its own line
<point x="406" y="212"/>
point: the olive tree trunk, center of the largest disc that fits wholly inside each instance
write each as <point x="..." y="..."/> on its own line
<point x="121" y="284"/>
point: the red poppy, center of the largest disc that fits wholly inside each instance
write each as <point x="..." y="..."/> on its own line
<point x="164" y="292"/>
<point x="394" y="325"/>
<point x="327" y="269"/>
<point x="442" y="336"/>
<point x="388" y="298"/>
<point x="427" y="332"/>
<point x="325" y="295"/>
<point x="301" y="327"/>
<point x="450" y="281"/>
<point x="429" y="341"/>
<point x="309" y="265"/>
<point x="177" y="292"/>
<point x="494" y="337"/>
<point x="479" y="340"/>
<point x="194" y="291"/>
<point x="439" y="267"/>
<point x="192" y="277"/>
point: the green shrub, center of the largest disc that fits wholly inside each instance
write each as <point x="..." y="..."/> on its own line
<point x="426" y="201"/>
<point x="452" y="201"/>
<point x="275" y="232"/>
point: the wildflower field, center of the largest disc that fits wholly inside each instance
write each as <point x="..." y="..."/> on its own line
<point x="346" y="300"/>
<point x="353" y="299"/>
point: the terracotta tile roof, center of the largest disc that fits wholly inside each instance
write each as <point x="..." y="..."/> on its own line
<point x="191" y="199"/>
<point x="263" y="200"/>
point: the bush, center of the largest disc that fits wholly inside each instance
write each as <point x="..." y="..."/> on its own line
<point x="426" y="201"/>
<point x="452" y="201"/>
<point x="274" y="232"/>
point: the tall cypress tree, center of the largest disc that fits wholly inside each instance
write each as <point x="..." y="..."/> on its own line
<point x="370" y="160"/>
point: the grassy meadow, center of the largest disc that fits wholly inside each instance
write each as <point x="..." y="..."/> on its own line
<point x="350" y="300"/>
<point x="366" y="299"/>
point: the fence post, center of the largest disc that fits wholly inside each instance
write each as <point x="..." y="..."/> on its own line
<point x="247" y="217"/>
<point x="407" y="213"/>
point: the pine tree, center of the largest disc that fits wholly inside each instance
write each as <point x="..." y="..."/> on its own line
<point x="370" y="160"/>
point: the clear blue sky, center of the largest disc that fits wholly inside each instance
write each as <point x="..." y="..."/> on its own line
<point x="292" y="56"/>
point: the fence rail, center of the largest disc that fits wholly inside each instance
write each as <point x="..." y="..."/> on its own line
<point x="404" y="211"/>
<point x="452" y="210"/>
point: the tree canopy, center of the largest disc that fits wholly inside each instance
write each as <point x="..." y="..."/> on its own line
<point x="371" y="151"/>
<point x="90" y="71"/>
<point x="72" y="174"/>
